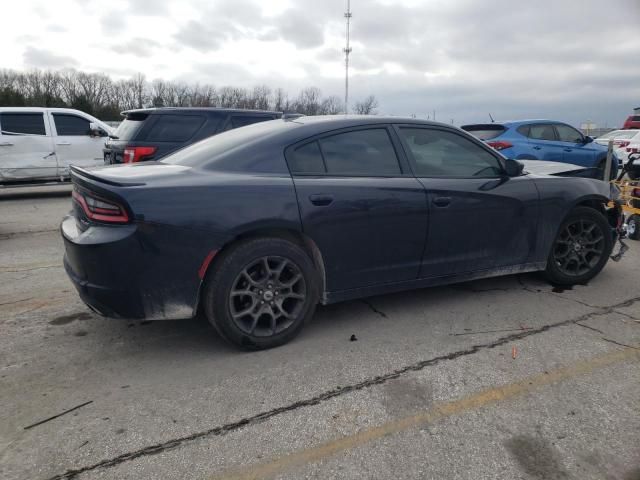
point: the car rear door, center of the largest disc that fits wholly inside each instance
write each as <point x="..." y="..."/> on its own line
<point x="544" y="142"/>
<point x="26" y="147"/>
<point x="361" y="206"/>
<point x="74" y="142"/>
<point x="479" y="219"/>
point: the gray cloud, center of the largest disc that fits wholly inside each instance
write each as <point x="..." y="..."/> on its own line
<point x="37" y="58"/>
<point x="300" y="28"/>
<point x="140" y="47"/>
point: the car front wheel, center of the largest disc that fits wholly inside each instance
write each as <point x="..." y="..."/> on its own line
<point x="581" y="248"/>
<point x="261" y="293"/>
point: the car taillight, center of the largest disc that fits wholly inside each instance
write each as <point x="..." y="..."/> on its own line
<point x="500" y="145"/>
<point x="633" y="150"/>
<point x="135" y="154"/>
<point x="99" y="209"/>
<point x="621" y="143"/>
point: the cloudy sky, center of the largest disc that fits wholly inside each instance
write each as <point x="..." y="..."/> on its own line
<point x="573" y="60"/>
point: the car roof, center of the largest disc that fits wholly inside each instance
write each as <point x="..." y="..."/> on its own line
<point x="356" y="120"/>
<point x="512" y="123"/>
<point x="159" y="110"/>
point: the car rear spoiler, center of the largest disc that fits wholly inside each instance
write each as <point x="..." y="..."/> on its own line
<point x="83" y="174"/>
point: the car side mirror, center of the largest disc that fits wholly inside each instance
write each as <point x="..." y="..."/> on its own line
<point x="95" y="130"/>
<point x="587" y="139"/>
<point x="513" y="167"/>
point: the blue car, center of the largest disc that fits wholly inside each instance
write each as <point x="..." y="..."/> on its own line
<point x="544" y="140"/>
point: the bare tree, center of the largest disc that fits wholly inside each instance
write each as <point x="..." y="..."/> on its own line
<point x="367" y="106"/>
<point x="332" y="105"/>
<point x="98" y="94"/>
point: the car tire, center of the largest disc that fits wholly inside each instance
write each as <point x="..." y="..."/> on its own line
<point x="633" y="227"/>
<point x="261" y="292"/>
<point x="580" y="249"/>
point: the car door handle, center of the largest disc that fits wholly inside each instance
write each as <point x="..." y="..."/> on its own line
<point x="6" y="144"/>
<point x="63" y="143"/>
<point x="568" y="149"/>
<point x="442" y="201"/>
<point x="321" y="200"/>
<point x="537" y="147"/>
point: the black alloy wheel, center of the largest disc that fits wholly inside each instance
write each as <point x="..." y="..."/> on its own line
<point x="267" y="296"/>
<point x="261" y="292"/>
<point x="581" y="248"/>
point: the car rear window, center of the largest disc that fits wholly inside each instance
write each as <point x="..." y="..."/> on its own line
<point x="624" y="135"/>
<point x="175" y="128"/>
<point x="360" y="152"/>
<point x="130" y="126"/>
<point x="635" y="118"/>
<point x="22" y="123"/>
<point x="306" y="159"/>
<point x="484" y="132"/>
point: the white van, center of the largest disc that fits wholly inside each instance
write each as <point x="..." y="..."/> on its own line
<point x="39" y="144"/>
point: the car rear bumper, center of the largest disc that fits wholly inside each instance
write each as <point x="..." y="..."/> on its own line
<point x="118" y="272"/>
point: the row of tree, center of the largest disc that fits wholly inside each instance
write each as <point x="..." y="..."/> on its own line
<point x="103" y="97"/>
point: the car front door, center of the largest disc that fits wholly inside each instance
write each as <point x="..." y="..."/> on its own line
<point x="361" y="205"/>
<point x="574" y="148"/>
<point x="544" y="142"/>
<point x="26" y="147"/>
<point x="480" y="219"/>
<point x="74" y="142"/>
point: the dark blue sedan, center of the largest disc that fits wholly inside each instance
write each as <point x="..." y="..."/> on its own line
<point x="544" y="140"/>
<point x="257" y="225"/>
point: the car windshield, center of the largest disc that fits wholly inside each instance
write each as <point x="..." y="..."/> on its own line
<point x="212" y="147"/>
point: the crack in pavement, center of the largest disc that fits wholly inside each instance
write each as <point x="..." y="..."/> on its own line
<point x="17" y="270"/>
<point x="374" y="309"/>
<point x="338" y="391"/>
<point x="618" y="343"/>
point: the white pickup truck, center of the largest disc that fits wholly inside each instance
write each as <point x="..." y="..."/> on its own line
<point x="39" y="144"/>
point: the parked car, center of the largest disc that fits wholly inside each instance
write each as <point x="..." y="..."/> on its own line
<point x="621" y="140"/>
<point x="257" y="225"/>
<point x="39" y="144"/>
<point x="632" y="122"/>
<point x="152" y="133"/>
<point x="543" y="140"/>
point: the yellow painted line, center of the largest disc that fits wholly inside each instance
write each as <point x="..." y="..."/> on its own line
<point x="443" y="410"/>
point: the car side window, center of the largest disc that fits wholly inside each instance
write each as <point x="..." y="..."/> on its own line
<point x="438" y="153"/>
<point x="568" y="134"/>
<point x="175" y="128"/>
<point x="306" y="159"/>
<point x="244" y="120"/>
<point x="542" y="132"/>
<point x="360" y="153"/>
<point x="70" y="125"/>
<point x="22" y="124"/>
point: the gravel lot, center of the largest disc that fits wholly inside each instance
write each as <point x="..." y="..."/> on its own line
<point x="497" y="379"/>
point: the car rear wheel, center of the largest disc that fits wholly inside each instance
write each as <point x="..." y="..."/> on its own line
<point x="581" y="248"/>
<point x="633" y="227"/>
<point x="261" y="293"/>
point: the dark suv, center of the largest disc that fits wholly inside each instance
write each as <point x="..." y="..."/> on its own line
<point x="152" y="133"/>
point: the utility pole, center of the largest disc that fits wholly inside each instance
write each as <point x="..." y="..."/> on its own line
<point x="347" y="51"/>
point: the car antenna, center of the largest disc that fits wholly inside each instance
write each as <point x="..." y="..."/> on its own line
<point x="492" y="120"/>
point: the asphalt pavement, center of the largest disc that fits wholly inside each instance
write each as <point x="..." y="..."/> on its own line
<point x="508" y="378"/>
